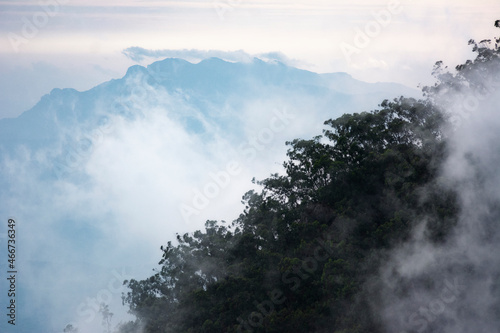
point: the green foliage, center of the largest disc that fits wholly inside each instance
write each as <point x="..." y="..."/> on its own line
<point x="310" y="234"/>
<point x="476" y="78"/>
<point x="299" y="257"/>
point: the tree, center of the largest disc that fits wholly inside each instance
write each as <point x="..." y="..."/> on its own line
<point x="356" y="189"/>
<point x="70" y="329"/>
<point x="299" y="257"/>
<point x="106" y="317"/>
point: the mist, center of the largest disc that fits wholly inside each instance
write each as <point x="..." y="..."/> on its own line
<point x="119" y="170"/>
<point x="113" y="173"/>
<point x="453" y="286"/>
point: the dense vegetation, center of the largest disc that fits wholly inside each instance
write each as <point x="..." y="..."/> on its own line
<point x="300" y="256"/>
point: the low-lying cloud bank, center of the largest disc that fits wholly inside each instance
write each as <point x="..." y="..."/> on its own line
<point x="454" y="286"/>
<point x="98" y="180"/>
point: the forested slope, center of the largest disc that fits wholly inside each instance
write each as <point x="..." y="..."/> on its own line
<point x="305" y="253"/>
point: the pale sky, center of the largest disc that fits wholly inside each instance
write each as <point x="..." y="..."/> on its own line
<point x="78" y="43"/>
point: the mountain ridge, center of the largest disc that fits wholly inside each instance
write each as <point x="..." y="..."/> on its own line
<point x="203" y="88"/>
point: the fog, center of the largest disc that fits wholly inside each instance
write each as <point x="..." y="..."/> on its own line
<point x="121" y="179"/>
<point x="454" y="286"/>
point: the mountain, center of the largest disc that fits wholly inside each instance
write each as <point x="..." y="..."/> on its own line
<point x="387" y="221"/>
<point x="99" y="179"/>
<point x="204" y="90"/>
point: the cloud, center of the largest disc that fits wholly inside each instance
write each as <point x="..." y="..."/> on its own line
<point x="122" y="198"/>
<point x="453" y="286"/>
<point x="369" y="63"/>
<point x="139" y="54"/>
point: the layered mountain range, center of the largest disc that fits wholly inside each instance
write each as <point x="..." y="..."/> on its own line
<point x="211" y="92"/>
<point x="97" y="179"/>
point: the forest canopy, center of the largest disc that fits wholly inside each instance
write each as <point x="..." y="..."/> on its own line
<point x="303" y="254"/>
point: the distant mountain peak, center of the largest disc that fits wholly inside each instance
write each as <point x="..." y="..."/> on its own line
<point x="169" y="62"/>
<point x="135" y="69"/>
<point x="213" y="91"/>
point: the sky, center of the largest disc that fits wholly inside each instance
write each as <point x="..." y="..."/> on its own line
<point x="79" y="44"/>
<point x="75" y="43"/>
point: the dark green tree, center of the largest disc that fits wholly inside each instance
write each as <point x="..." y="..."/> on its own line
<point x="300" y="256"/>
